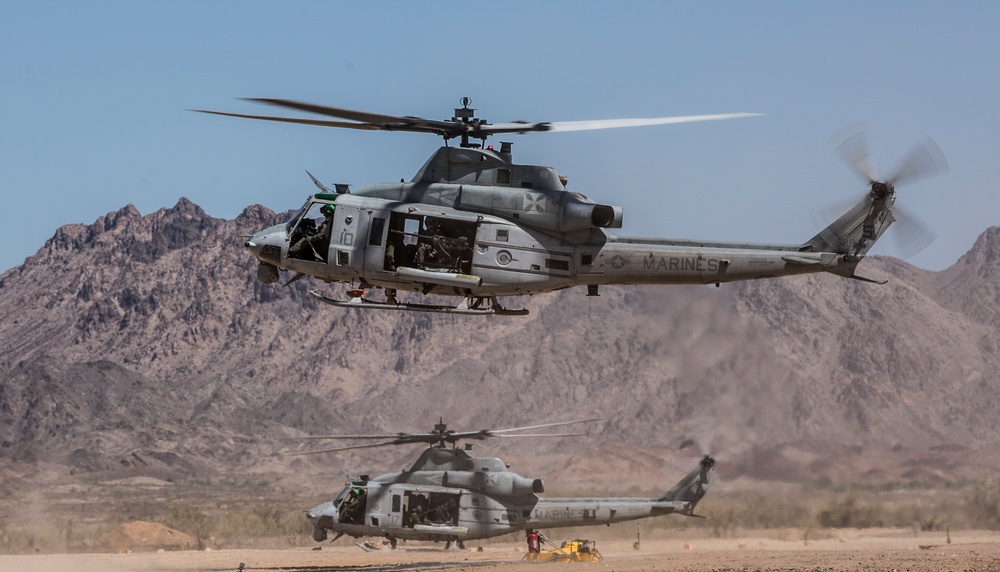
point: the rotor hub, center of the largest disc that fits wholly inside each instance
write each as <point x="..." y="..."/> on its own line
<point x="881" y="190"/>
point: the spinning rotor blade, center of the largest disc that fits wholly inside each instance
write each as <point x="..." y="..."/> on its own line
<point x="398" y="439"/>
<point x="481" y="434"/>
<point x="563" y="126"/>
<point x="320" y="122"/>
<point x="373" y="121"/>
<point x="318" y="437"/>
<point x="317" y="452"/>
<point x="911" y="234"/>
<point x="440" y="436"/>
<point x="557" y="424"/>
<point x="853" y="150"/>
<point x="467" y="127"/>
<point x="923" y="160"/>
<point x="360" y="116"/>
<point x="542" y="435"/>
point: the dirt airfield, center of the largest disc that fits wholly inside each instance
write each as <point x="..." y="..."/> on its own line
<point x="866" y="550"/>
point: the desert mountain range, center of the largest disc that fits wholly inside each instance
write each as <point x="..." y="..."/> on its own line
<point x="144" y="345"/>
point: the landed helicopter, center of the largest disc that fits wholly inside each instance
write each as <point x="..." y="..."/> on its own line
<point x="472" y="223"/>
<point x="449" y="495"/>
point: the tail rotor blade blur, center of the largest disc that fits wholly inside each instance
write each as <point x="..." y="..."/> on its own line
<point x="923" y="160"/>
<point x="851" y="145"/>
<point x="911" y="234"/>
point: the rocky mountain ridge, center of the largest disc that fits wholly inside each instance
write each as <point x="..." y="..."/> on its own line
<point x="144" y="343"/>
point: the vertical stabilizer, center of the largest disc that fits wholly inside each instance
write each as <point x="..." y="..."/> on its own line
<point x="856" y="231"/>
<point x="693" y="486"/>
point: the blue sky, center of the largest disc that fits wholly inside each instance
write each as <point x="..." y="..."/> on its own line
<point x="93" y="100"/>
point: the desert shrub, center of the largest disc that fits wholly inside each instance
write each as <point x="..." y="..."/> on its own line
<point x="18" y="541"/>
<point x="751" y="510"/>
<point x="982" y="504"/>
<point x="190" y="520"/>
<point x="763" y="511"/>
<point x="849" y="512"/>
<point x="264" y="522"/>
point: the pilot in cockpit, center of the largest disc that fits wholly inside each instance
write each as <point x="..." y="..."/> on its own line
<point x="315" y="245"/>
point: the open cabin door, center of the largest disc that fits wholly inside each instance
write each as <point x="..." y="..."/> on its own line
<point x="425" y="242"/>
<point x="430" y="508"/>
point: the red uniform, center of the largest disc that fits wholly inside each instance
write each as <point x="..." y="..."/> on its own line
<point x="533" y="542"/>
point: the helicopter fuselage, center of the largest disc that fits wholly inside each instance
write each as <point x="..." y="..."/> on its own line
<point x="467" y="498"/>
<point x="473" y="224"/>
<point x="469" y="515"/>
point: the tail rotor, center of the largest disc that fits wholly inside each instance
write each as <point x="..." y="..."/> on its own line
<point x="924" y="160"/>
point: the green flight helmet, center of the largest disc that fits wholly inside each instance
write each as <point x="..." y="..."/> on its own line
<point x="327" y="210"/>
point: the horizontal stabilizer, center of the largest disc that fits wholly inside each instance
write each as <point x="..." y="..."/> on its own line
<point x="870" y="280"/>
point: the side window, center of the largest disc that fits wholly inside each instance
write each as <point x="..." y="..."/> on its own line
<point x="411" y="228"/>
<point x="376" y="232"/>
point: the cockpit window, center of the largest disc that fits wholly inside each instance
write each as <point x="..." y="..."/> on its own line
<point x="340" y="496"/>
<point x="295" y="218"/>
<point x="309" y="235"/>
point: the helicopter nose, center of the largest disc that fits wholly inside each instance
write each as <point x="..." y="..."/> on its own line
<point x="323" y="515"/>
<point x="255" y="245"/>
<point x="266" y="245"/>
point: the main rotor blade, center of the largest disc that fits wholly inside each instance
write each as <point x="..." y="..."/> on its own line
<point x="558" y="424"/>
<point x="321" y="437"/>
<point x="368" y="446"/>
<point x="542" y="435"/>
<point x="563" y="126"/>
<point x="362" y="116"/>
<point x="320" y="122"/>
<point x="923" y="160"/>
<point x="431" y="438"/>
<point x="373" y="120"/>
<point x="478" y="129"/>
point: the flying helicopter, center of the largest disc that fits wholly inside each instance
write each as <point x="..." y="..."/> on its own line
<point x="474" y="224"/>
<point x="452" y="496"/>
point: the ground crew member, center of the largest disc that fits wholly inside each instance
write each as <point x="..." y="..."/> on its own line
<point x="533" y="544"/>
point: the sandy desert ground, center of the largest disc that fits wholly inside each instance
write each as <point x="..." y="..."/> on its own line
<point x="846" y="550"/>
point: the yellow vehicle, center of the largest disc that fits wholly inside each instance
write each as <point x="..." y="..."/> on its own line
<point x="578" y="550"/>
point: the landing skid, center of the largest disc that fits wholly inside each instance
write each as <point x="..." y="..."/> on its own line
<point x="468" y="306"/>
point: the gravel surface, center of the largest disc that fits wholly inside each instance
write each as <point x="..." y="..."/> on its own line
<point x="851" y="550"/>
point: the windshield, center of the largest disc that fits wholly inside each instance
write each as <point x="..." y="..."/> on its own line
<point x="314" y="221"/>
<point x="340" y="496"/>
<point x="295" y="217"/>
